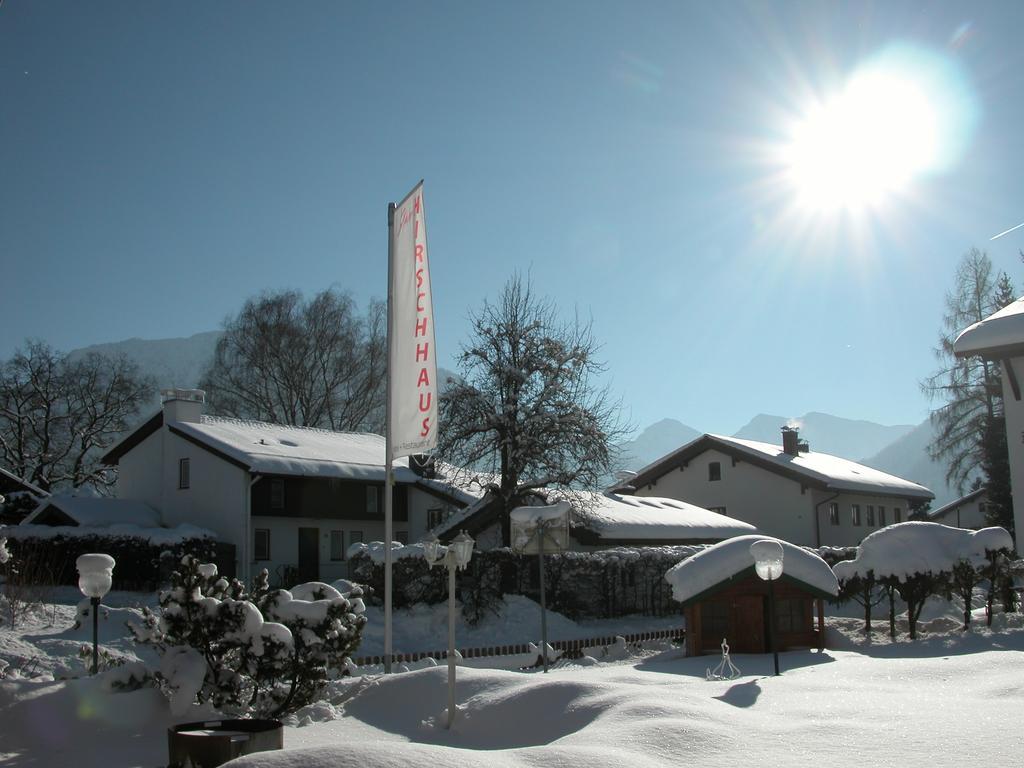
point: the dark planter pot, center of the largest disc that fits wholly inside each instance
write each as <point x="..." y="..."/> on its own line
<point x="215" y="742"/>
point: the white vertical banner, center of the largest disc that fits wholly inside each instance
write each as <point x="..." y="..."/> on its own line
<point x="412" y="379"/>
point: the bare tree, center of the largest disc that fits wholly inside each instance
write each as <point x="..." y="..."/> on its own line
<point x="527" y="410"/>
<point x="58" y="415"/>
<point x="314" y="363"/>
<point x="968" y="388"/>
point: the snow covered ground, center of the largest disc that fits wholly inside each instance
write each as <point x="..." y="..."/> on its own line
<point x="948" y="699"/>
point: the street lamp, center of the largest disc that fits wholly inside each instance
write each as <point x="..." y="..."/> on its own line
<point x="767" y="554"/>
<point x="454" y="556"/>
<point x="95" y="573"/>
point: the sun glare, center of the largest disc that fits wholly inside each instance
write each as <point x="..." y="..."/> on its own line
<point x="891" y="123"/>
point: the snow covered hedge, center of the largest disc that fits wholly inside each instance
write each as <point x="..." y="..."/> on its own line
<point x="143" y="562"/>
<point x="265" y="652"/>
<point x="580" y="585"/>
<point x="917" y="559"/>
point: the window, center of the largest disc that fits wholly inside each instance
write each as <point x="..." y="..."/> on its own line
<point x="855" y="513"/>
<point x="277" y="494"/>
<point x="871" y="514"/>
<point x="434" y="517"/>
<point x="897" y="515"/>
<point x="881" y="516"/>
<point x="184" y="473"/>
<point x="715" y="471"/>
<point x="789" y="615"/>
<point x="718" y="510"/>
<point x="262" y="547"/>
<point x="354" y="537"/>
<point x="337" y="545"/>
<point x="833" y="513"/>
<point x="372" y="500"/>
<point x="402" y="537"/>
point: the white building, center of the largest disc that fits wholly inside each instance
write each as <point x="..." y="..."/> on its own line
<point x="1001" y="337"/>
<point x="290" y="499"/>
<point x="970" y="511"/>
<point x="788" y="491"/>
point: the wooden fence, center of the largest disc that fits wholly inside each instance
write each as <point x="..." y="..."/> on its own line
<point x="569" y="648"/>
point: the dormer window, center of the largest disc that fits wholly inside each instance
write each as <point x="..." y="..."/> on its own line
<point x="714" y="471"/>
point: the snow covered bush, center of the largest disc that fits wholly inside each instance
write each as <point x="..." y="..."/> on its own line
<point x="916" y="560"/>
<point x="265" y="652"/>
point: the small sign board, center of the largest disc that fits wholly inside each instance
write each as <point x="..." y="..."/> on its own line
<point x="533" y="527"/>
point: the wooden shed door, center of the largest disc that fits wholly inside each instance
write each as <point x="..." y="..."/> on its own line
<point x="747" y="625"/>
<point x="309" y="554"/>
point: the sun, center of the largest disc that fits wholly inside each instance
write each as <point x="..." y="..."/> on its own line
<point x="889" y="125"/>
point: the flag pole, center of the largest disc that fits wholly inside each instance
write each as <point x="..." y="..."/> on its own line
<point x="388" y="476"/>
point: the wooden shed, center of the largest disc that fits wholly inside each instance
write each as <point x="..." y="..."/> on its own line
<point x="722" y="597"/>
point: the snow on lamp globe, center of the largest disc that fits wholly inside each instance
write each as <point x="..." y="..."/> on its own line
<point x="768" y="556"/>
<point x="95" y="575"/>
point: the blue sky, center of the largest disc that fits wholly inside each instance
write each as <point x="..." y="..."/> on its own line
<point x="161" y="162"/>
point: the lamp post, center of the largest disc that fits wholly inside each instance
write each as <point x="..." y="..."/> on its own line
<point x="455" y="556"/>
<point x="95" y="573"/>
<point x="767" y="554"/>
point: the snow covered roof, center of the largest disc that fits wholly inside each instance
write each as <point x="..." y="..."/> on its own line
<point x="278" y="449"/>
<point x="1003" y="331"/>
<point x="719" y="563"/>
<point x="634" y="518"/>
<point x="607" y="517"/>
<point x="812" y="467"/>
<point x="917" y="547"/>
<point x="151" y="534"/>
<point x="95" y="511"/>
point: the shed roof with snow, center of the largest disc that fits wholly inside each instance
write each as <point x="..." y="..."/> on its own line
<point x="720" y="565"/>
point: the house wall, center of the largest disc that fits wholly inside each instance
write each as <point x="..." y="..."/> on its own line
<point x="846" y="534"/>
<point x="772" y="503"/>
<point x="970" y="515"/>
<point x="140" y="472"/>
<point x="217" y="497"/>
<point x="284" y="543"/>
<point x="1014" y="412"/>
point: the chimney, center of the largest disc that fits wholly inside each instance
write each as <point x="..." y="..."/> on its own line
<point x="183" y="404"/>
<point x="791" y="441"/>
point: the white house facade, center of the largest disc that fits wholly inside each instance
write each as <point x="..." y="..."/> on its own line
<point x="970" y="511"/>
<point x="788" y="491"/>
<point x="290" y="499"/>
<point x="1001" y="337"/>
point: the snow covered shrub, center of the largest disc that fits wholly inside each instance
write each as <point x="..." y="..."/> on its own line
<point x="918" y="559"/>
<point x="864" y="590"/>
<point x="264" y="653"/>
<point x="27" y="582"/>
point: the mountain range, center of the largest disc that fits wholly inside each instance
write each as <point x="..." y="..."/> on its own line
<point x="900" y="449"/>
